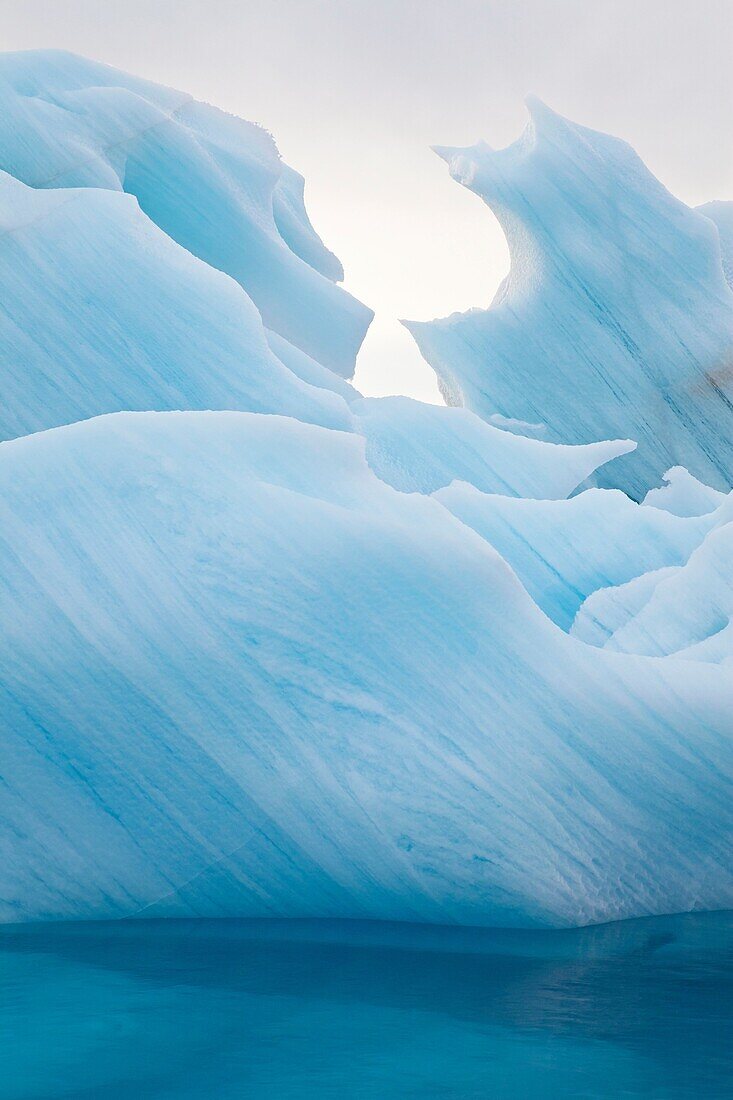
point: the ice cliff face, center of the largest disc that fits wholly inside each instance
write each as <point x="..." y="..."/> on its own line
<point x="243" y="675"/>
<point x="311" y="654"/>
<point x="615" y="320"/>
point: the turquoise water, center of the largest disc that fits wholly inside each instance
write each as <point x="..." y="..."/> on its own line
<point x="225" y="1009"/>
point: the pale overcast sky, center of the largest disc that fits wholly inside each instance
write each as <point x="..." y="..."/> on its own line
<point x="356" y="90"/>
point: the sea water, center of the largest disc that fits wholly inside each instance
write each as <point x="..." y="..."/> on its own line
<point x="281" y="1009"/>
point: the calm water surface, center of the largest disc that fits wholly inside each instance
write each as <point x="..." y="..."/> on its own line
<point x="228" y="1009"/>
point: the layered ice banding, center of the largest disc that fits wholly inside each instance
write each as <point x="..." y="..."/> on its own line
<point x="615" y="321"/>
<point x="102" y="312"/>
<point x="245" y="676"/>
<point x="296" y="652"/>
<point x="213" y="183"/>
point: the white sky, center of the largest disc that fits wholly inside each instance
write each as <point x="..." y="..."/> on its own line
<point x="356" y="90"/>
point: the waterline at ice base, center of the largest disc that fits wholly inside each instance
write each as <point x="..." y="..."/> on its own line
<point x="273" y="649"/>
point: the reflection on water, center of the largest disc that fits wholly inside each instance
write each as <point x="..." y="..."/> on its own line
<point x="230" y="1009"/>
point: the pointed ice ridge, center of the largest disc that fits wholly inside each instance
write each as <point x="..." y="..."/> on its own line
<point x="615" y="320"/>
<point x="418" y="448"/>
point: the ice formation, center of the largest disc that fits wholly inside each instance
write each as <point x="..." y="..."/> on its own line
<point x="615" y="320"/>
<point x="683" y="495"/>
<point x="564" y="550"/>
<point x="294" y="652"/>
<point x="419" y="448"/>
<point x="180" y="336"/>
<point x="684" y="610"/>
<point x="244" y="675"/>
<point x="214" y="183"/>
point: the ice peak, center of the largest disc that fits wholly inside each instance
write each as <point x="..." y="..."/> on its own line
<point x="542" y="117"/>
<point x="615" y="320"/>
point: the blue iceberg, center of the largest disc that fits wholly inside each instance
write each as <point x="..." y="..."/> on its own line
<point x="274" y="649"/>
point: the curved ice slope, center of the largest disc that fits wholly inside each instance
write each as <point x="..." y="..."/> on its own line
<point x="608" y="609"/>
<point x="419" y="448"/>
<point x="684" y="611"/>
<point x="615" y="320"/>
<point x="212" y="182"/>
<point x="564" y="550"/>
<point x="102" y="312"/>
<point x="688" y="608"/>
<point x="294" y="225"/>
<point x="240" y="674"/>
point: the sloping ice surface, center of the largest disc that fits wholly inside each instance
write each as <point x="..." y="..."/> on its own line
<point x="274" y="649"/>
<point x="615" y="321"/>
<point x="242" y="675"/>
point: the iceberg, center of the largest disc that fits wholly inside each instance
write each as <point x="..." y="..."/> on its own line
<point x="243" y="675"/>
<point x="272" y="648"/>
<point x="615" y="320"/>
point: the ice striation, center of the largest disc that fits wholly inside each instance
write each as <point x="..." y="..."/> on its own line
<point x="615" y="320"/>
<point x="180" y="335"/>
<point x="212" y="182"/>
<point x="683" y="610"/>
<point x="419" y="448"/>
<point x="243" y="675"/>
<point x="564" y="550"/>
<point x="272" y="648"/>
